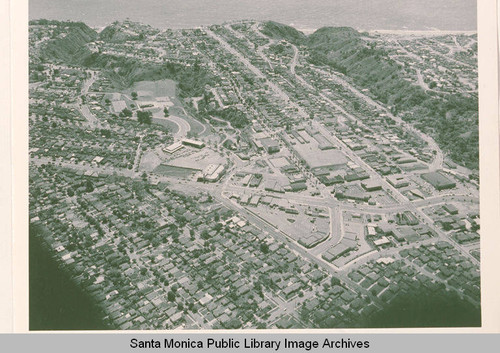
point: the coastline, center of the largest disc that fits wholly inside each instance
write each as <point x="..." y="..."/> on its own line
<point x="310" y="30"/>
<point x="53" y="293"/>
<point x="421" y="33"/>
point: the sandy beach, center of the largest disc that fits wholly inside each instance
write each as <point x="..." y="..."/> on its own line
<point x="420" y="33"/>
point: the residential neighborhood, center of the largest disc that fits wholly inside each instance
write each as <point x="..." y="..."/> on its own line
<point x="243" y="176"/>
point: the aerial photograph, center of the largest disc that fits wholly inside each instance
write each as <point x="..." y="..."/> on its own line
<point x="264" y="164"/>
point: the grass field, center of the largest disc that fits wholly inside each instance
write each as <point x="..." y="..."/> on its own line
<point x="162" y="88"/>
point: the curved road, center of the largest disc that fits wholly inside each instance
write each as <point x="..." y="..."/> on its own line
<point x="183" y="125"/>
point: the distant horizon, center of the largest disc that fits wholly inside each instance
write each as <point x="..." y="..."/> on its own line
<point x="306" y="31"/>
<point x="362" y="15"/>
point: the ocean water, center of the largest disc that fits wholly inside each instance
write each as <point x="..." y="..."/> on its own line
<point x="55" y="301"/>
<point x="459" y="15"/>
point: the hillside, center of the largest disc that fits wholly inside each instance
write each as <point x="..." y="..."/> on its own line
<point x="72" y="48"/>
<point x="71" y="44"/>
<point x="280" y="31"/>
<point x="119" y="32"/>
<point x="123" y="72"/>
<point x="451" y="119"/>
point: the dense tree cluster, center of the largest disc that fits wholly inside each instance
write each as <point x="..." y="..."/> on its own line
<point x="144" y="117"/>
<point x="126" y="113"/>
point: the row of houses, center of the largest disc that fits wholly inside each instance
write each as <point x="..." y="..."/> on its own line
<point x="128" y="247"/>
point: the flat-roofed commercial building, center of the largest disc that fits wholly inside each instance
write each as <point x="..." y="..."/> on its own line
<point x="193" y="143"/>
<point x="340" y="249"/>
<point x="438" y="180"/>
<point x="270" y="145"/>
<point x="398" y="181"/>
<point x="173" y="147"/>
<point x="313" y="151"/>
<point x="371" y="185"/>
<point x="316" y="158"/>
<point x="212" y="173"/>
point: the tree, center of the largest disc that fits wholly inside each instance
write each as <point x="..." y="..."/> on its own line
<point x="106" y="133"/>
<point x="264" y="248"/>
<point x="218" y="227"/>
<point x="134" y="95"/>
<point x="89" y="187"/>
<point x="204" y="234"/>
<point x="171" y="296"/>
<point x="335" y="281"/>
<point x="144" y="117"/>
<point x="126" y="113"/>
<point x="165" y="111"/>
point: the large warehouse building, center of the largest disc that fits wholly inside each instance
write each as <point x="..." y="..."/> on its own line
<point x="311" y="148"/>
<point x="316" y="158"/>
<point x="438" y="180"/>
